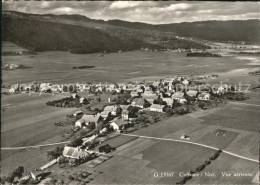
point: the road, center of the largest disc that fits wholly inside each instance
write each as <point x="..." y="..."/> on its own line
<point x="147" y="137"/>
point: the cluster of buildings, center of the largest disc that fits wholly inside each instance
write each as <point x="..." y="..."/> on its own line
<point x="145" y="96"/>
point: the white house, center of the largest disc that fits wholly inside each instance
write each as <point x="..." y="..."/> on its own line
<point x="117" y="124"/>
<point x="104" y="114"/>
<point x="112" y="109"/>
<point x="74" y="153"/>
<point x="204" y="96"/>
<point x="125" y="114"/>
<point x="192" y="93"/>
<point x="185" y="82"/>
<point x="169" y="101"/>
<point x="86" y="119"/>
<point x="157" y="107"/>
<point x="177" y="95"/>
<point x="182" y="101"/>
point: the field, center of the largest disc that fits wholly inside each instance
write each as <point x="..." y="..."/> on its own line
<point x="27" y="120"/>
<point x="143" y="157"/>
<point x="115" y="67"/>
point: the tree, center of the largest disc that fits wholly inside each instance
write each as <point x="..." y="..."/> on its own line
<point x="18" y="171"/>
<point x="152" y="87"/>
<point x="76" y="142"/>
<point x="133" y="111"/>
<point x="91" y="125"/>
<point x="54" y="154"/>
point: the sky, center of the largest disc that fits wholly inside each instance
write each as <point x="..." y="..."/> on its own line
<point x="153" y="12"/>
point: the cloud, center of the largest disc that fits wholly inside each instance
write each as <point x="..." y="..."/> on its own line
<point x="153" y="12"/>
<point x="124" y="4"/>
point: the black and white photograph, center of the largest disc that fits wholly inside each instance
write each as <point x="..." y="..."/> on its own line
<point x="130" y="92"/>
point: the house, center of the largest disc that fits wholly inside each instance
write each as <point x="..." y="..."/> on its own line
<point x="192" y="93"/>
<point x="149" y="97"/>
<point x="185" y="82"/>
<point x="177" y="95"/>
<point x="125" y="114"/>
<point x="77" y="112"/>
<point x="112" y="109"/>
<point x="81" y="100"/>
<point x="139" y="102"/>
<point x="37" y="174"/>
<point x="74" y="153"/>
<point x="86" y="119"/>
<point x="45" y="86"/>
<point x="134" y="94"/>
<point x="222" y="89"/>
<point x="117" y="124"/>
<point x="168" y="101"/>
<point x="204" y="96"/>
<point x="157" y="108"/>
<point x="156" y="84"/>
<point x="124" y="107"/>
<point x="105" y="114"/>
<point x="182" y="100"/>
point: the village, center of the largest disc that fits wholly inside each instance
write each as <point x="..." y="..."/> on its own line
<point x="128" y="106"/>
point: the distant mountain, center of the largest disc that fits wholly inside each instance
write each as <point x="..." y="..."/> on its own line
<point x="80" y="34"/>
<point x="244" y="30"/>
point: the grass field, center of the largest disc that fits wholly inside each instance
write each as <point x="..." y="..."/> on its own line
<point x="57" y="66"/>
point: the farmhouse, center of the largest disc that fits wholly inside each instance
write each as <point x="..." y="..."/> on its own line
<point x="185" y="82"/>
<point x="124" y="107"/>
<point x="139" y="102"/>
<point x="37" y="174"/>
<point x="157" y="107"/>
<point x="74" y="153"/>
<point x="204" y="96"/>
<point x="112" y="109"/>
<point x="192" y="93"/>
<point x="182" y="100"/>
<point x="125" y="114"/>
<point x="168" y="101"/>
<point x="177" y="95"/>
<point x="134" y="94"/>
<point x="86" y="119"/>
<point x="104" y="114"/>
<point x="156" y="84"/>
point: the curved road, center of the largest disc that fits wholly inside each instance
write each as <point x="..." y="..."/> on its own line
<point x="147" y="137"/>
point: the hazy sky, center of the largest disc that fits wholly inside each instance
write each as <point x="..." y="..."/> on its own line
<point x="143" y="11"/>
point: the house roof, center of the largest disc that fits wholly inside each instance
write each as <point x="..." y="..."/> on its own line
<point x="110" y="108"/>
<point x="124" y="107"/>
<point x="125" y="112"/>
<point x="118" y="121"/>
<point x="105" y="112"/>
<point x="89" y="118"/>
<point x="138" y="101"/>
<point x="168" y="100"/>
<point x="178" y="95"/>
<point x="74" y="152"/>
<point x="204" y="94"/>
<point x="37" y="173"/>
<point x="192" y="93"/>
<point x="157" y="106"/>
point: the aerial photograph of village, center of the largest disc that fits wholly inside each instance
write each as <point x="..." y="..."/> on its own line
<point x="130" y="92"/>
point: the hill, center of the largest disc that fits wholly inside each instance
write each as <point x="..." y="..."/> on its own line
<point x="80" y="34"/>
<point x="239" y="30"/>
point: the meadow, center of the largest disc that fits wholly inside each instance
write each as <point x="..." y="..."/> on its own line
<point x="56" y="67"/>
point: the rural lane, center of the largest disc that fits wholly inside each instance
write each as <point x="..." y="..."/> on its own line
<point x="147" y="137"/>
